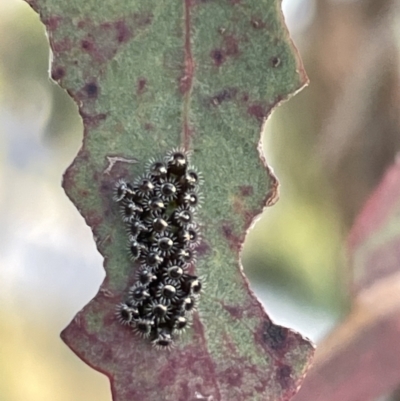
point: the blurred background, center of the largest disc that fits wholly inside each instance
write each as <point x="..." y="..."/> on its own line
<point x="329" y="146"/>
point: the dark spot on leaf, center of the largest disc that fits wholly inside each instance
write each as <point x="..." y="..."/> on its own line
<point x="91" y="89"/>
<point x="57" y="73"/>
<point x="108" y="355"/>
<point x="275" y="61"/>
<point x="148" y="126"/>
<point x="106" y="187"/>
<point x="218" y="56"/>
<point x="257" y="110"/>
<point x="123" y="32"/>
<point x="226" y="94"/>
<point x="87" y="45"/>
<point x="143" y="19"/>
<point x="93" y="219"/>
<point x="257" y="23"/>
<point x="68" y="180"/>
<point x="83" y="193"/>
<point x="283" y="376"/>
<point x="233" y="239"/>
<point x="52" y="22"/>
<point x="235" y="311"/>
<point x="92" y="121"/>
<point x="203" y="249"/>
<point x="245" y="97"/>
<point x="233" y="376"/>
<point x="246" y="190"/>
<point x="231" y="45"/>
<point x="274" y="336"/>
<point x="230" y="49"/>
<point x="104" y="40"/>
<point x="227" y="230"/>
<point x="141" y="85"/>
<point x="109" y="318"/>
<point x="84" y="155"/>
<point x="61" y="46"/>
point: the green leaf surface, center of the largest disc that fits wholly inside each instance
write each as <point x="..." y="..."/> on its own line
<point x="149" y="76"/>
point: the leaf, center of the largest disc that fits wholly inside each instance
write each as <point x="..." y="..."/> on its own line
<point x="374" y="239"/>
<point x="360" y="360"/>
<point x="149" y="76"/>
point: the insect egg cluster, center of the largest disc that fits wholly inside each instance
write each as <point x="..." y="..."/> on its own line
<point x="159" y="210"/>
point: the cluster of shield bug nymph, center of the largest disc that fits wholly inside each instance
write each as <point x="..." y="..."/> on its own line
<point x="159" y="210"/>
